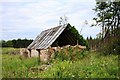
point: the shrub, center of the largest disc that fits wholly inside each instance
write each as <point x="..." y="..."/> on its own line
<point x="90" y="67"/>
<point x="112" y="46"/>
<point x="70" y="54"/>
<point x="87" y="66"/>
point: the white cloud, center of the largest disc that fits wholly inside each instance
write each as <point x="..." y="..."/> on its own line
<point x="39" y="15"/>
<point x="16" y="0"/>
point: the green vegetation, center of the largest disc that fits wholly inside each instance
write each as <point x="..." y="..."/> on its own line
<point x="7" y="50"/>
<point x="19" y="43"/>
<point x="73" y="63"/>
<point x="91" y="65"/>
<point x="15" y="66"/>
<point x="70" y="54"/>
<point x="79" y="37"/>
<point x="108" y="18"/>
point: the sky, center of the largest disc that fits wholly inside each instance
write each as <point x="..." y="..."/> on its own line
<point x="28" y="18"/>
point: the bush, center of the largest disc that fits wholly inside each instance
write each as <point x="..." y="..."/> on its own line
<point x="70" y="54"/>
<point x="112" y="46"/>
<point x="89" y="67"/>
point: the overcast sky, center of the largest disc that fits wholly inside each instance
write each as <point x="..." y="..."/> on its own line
<point x="27" y="18"/>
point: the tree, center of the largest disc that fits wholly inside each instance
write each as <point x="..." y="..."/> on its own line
<point x="9" y="43"/>
<point x="108" y="17"/>
<point x="79" y="37"/>
<point x="2" y="43"/>
<point x="21" y="43"/>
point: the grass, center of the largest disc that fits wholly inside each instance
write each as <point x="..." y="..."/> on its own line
<point x="7" y="50"/>
<point x="91" y="65"/>
<point x="16" y="66"/>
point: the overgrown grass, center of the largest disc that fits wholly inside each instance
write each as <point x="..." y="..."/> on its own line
<point x="91" y="66"/>
<point x="7" y="50"/>
<point x="15" y="66"/>
<point x="84" y="65"/>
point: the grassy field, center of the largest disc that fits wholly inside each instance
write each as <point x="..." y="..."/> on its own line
<point x="90" y="65"/>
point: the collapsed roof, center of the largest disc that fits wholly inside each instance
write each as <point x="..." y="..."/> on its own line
<point x="57" y="36"/>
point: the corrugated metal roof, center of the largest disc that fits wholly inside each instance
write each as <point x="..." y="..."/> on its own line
<point x="46" y="38"/>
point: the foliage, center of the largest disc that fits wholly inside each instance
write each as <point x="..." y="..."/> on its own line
<point x="107" y="14"/>
<point x="7" y="50"/>
<point x="108" y="17"/>
<point x="9" y="43"/>
<point x="92" y="65"/>
<point x="112" y="46"/>
<point x="14" y="66"/>
<point x="79" y="37"/>
<point x="2" y="43"/>
<point x="19" y="43"/>
<point x="70" y="54"/>
<point x="89" y="67"/>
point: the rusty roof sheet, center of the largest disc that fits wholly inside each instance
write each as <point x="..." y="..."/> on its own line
<point x="46" y="38"/>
